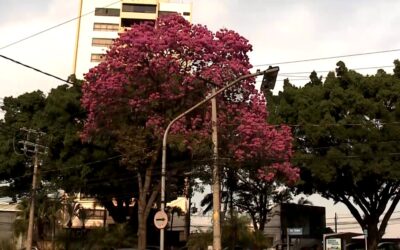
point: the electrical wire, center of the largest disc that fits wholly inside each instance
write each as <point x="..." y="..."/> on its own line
<point x="115" y="157"/>
<point x="41" y="32"/>
<point x="296" y="76"/>
<point x="53" y="27"/>
<point x="35" y="69"/>
<point x="328" y="57"/>
<point x="326" y="71"/>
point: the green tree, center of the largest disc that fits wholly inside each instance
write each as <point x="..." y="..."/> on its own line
<point x="236" y="225"/>
<point x="47" y="212"/>
<point x="246" y="193"/>
<point x="347" y="139"/>
<point x="91" y="167"/>
<point x="15" y="169"/>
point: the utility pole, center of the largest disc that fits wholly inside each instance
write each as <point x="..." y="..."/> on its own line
<point x="187" y="195"/>
<point x="335" y="223"/>
<point x="268" y="82"/>
<point x="32" y="150"/>
<point x="215" y="178"/>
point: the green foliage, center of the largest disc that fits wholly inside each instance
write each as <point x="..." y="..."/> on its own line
<point x="200" y="240"/>
<point x="93" y="167"/>
<point x="246" y="192"/>
<point x="347" y="140"/>
<point x="235" y="232"/>
<point x="117" y="236"/>
<point x="47" y="213"/>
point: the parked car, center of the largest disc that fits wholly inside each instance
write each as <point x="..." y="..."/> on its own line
<point x="385" y="245"/>
<point x="389" y="246"/>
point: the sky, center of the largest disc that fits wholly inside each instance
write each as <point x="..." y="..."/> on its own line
<point x="279" y="30"/>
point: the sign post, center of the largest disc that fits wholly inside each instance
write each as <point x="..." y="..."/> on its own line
<point x="293" y="232"/>
<point x="366" y="238"/>
<point x="160" y="219"/>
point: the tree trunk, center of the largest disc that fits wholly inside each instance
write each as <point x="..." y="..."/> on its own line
<point x="142" y="218"/>
<point x="373" y="236"/>
<point x="53" y="234"/>
<point x="172" y="221"/>
<point x="145" y="203"/>
<point x="233" y="221"/>
<point x="142" y="227"/>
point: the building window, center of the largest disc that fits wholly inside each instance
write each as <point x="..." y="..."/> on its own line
<point x="97" y="57"/>
<point x="186" y="13"/>
<point x="166" y="13"/>
<point x="128" y="22"/>
<point x="102" y="42"/>
<point x="106" y="12"/>
<point x="105" y="26"/>
<point x="141" y="8"/>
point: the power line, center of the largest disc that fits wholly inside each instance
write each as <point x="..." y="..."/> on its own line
<point x="299" y="77"/>
<point x="328" y="57"/>
<point x="326" y="71"/>
<point x="35" y="69"/>
<point x="53" y="27"/>
<point x="347" y="216"/>
<point x="40" y="32"/>
<point x="325" y="125"/>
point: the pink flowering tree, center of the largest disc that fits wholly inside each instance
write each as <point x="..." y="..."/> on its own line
<point x="153" y="73"/>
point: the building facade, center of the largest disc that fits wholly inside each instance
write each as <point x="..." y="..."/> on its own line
<point x="310" y="219"/>
<point x="96" y="216"/>
<point x="101" y="21"/>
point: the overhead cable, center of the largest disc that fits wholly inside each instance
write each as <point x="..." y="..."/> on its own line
<point x="52" y="27"/>
<point x="328" y="57"/>
<point x="35" y="69"/>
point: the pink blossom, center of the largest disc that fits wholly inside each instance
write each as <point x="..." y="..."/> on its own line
<point x="153" y="73"/>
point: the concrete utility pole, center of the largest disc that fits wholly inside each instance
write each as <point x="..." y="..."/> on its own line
<point x="32" y="149"/>
<point x="268" y="82"/>
<point x="216" y="187"/>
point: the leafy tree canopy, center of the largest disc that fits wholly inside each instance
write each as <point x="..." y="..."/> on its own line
<point x="347" y="132"/>
<point x="92" y="168"/>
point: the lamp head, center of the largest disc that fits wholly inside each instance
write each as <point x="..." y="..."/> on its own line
<point x="269" y="78"/>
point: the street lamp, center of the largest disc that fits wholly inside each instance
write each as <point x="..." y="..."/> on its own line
<point x="269" y="79"/>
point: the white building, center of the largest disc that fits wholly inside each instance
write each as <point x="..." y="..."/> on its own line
<point x="8" y="215"/>
<point x="96" y="215"/>
<point x="102" y="20"/>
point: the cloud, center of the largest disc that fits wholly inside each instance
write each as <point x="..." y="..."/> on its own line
<point x="12" y="11"/>
<point x="51" y="51"/>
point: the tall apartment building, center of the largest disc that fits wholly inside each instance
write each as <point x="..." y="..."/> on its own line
<point x="102" y="20"/>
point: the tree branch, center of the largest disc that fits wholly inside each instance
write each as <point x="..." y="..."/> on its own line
<point x="352" y="208"/>
<point x="152" y="199"/>
<point x="385" y="196"/>
<point x="388" y="214"/>
<point x="361" y="202"/>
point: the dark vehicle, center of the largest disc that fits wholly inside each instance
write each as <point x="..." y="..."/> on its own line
<point x="389" y="246"/>
<point x="386" y="245"/>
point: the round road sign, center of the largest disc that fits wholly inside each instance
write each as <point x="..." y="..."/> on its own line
<point x="160" y="219"/>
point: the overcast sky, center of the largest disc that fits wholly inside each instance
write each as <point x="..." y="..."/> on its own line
<point x="280" y="31"/>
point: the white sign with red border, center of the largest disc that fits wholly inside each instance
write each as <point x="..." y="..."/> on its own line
<point x="160" y="219"/>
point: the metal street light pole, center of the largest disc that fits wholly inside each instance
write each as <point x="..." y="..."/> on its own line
<point x="269" y="75"/>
